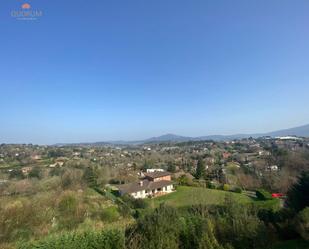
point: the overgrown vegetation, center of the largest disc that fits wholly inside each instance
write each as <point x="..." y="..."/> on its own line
<point x="113" y="239"/>
<point x="66" y="198"/>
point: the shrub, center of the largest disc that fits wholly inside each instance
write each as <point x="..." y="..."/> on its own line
<point x="263" y="195"/>
<point x="239" y="225"/>
<point x="110" y="214"/>
<point x="71" y="178"/>
<point x="110" y="239"/>
<point x="166" y="227"/>
<point x="226" y="187"/>
<point x="134" y="203"/>
<point x="71" y="213"/>
<point x="237" y="190"/>
<point x="16" y="173"/>
<point x="23" y="187"/>
<point x="184" y="180"/>
<point x="19" y="218"/>
<point x="115" y="181"/>
<point x="57" y="171"/>
<point x="163" y="224"/>
<point x="210" y="185"/>
<point x="302" y="223"/>
<point x="140" y="203"/>
<point x="35" y="173"/>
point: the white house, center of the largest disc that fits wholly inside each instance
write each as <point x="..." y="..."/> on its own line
<point x="154" y="184"/>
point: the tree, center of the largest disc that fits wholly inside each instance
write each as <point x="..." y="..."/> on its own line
<point x="91" y="177"/>
<point x="298" y="194"/>
<point x="189" y="166"/>
<point x="200" y="169"/>
<point x="146" y="166"/>
<point x="171" y="167"/>
<point x="55" y="153"/>
<point x="134" y="165"/>
<point x="302" y="223"/>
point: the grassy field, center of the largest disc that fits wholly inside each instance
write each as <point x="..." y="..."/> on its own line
<point x="185" y="196"/>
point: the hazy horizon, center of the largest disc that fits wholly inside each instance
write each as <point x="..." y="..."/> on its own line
<point x="149" y="137"/>
<point x="136" y="70"/>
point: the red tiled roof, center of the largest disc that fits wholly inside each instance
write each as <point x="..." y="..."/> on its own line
<point x="158" y="174"/>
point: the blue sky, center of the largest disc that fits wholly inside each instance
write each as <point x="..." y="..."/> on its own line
<point x="105" y="70"/>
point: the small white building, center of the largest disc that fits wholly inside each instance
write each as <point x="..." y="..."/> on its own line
<point x="154" y="170"/>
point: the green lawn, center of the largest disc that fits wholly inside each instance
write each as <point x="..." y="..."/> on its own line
<point x="185" y="196"/>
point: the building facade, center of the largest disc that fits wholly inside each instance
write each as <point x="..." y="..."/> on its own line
<point x="154" y="184"/>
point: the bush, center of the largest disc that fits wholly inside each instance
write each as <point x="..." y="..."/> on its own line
<point x="263" y="195"/>
<point x="22" y="187"/>
<point x="115" y="181"/>
<point x="71" y="178"/>
<point x="110" y="214"/>
<point x="140" y="203"/>
<point x="237" y="190"/>
<point x="15" y="220"/>
<point x="302" y="223"/>
<point x="71" y="213"/>
<point x="16" y="173"/>
<point x="167" y="227"/>
<point x="240" y="226"/>
<point x="134" y="203"/>
<point x="35" y="173"/>
<point x="111" y="239"/>
<point x="57" y="171"/>
<point x="226" y="187"/>
<point x="163" y="223"/>
<point x="210" y="185"/>
<point x="184" y="180"/>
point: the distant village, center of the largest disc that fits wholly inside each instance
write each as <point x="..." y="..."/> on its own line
<point x="150" y="169"/>
<point x="47" y="190"/>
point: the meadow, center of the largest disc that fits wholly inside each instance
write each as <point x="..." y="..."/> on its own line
<point x="186" y="196"/>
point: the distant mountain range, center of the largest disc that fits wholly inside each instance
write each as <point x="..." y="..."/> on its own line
<point x="300" y="131"/>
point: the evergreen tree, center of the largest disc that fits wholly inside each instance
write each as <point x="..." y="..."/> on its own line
<point x="200" y="169"/>
<point x="91" y="177"/>
<point x="171" y="167"/>
<point x="298" y="195"/>
<point x="146" y="166"/>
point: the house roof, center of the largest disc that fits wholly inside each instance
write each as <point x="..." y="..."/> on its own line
<point x="147" y="185"/>
<point x="157" y="174"/>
